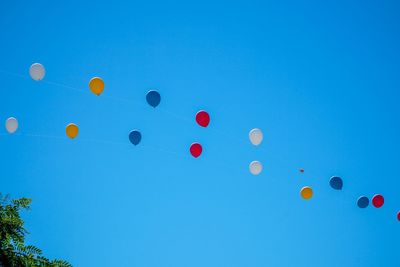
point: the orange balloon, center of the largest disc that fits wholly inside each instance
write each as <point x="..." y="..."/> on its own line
<point x="72" y="130"/>
<point x="306" y="192"/>
<point x="96" y="85"/>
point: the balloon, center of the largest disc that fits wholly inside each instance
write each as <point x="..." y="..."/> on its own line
<point x="72" y="130"/>
<point x="37" y="71"/>
<point x="196" y="149"/>
<point x="96" y="85"/>
<point x="256" y="136"/>
<point x="336" y="183"/>
<point x="301" y="170"/>
<point x="153" y="98"/>
<point x="11" y="125"/>
<point x="203" y="118"/>
<point x="255" y="167"/>
<point x="398" y="216"/>
<point x="362" y="202"/>
<point x="135" y="137"/>
<point x="378" y="201"/>
<point x="306" y="192"/>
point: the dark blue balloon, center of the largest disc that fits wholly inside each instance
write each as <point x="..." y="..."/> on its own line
<point x="336" y="183"/>
<point x="135" y="137"/>
<point x="153" y="98"/>
<point x="363" y="202"/>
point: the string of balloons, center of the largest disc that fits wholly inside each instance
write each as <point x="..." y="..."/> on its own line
<point x="37" y="72"/>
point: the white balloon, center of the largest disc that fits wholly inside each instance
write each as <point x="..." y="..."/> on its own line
<point x="37" y="71"/>
<point x="255" y="167"/>
<point x="256" y="136"/>
<point x="11" y="125"/>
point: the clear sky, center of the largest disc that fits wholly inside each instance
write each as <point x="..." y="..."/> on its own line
<point x="320" y="78"/>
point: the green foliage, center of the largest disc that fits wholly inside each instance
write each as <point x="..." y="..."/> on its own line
<point x="13" y="251"/>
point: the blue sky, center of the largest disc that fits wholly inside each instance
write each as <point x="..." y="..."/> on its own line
<point x="320" y="78"/>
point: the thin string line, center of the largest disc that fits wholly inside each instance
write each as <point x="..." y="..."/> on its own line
<point x="62" y="85"/>
<point x="157" y="149"/>
<point x="116" y="98"/>
<point x="14" y="74"/>
<point x="41" y="136"/>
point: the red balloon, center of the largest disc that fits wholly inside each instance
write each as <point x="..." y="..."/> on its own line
<point x="196" y="149"/>
<point x="398" y="216"/>
<point x="202" y="118"/>
<point x="378" y="201"/>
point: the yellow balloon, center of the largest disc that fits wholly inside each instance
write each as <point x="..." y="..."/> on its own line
<point x="72" y="130"/>
<point x="306" y="192"/>
<point x="96" y="85"/>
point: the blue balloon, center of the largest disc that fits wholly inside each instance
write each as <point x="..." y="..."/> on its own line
<point x="153" y="98"/>
<point x="336" y="183"/>
<point x="363" y="202"/>
<point x="135" y="136"/>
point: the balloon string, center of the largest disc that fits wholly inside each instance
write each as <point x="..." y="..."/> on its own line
<point x="62" y="85"/>
<point x="224" y="133"/>
<point x="103" y="96"/>
<point x="14" y="74"/>
<point x="175" y="115"/>
<point x="157" y="149"/>
<point x="114" y="98"/>
<point x="41" y="135"/>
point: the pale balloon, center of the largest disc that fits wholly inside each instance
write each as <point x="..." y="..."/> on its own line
<point x="256" y="136"/>
<point x="255" y="167"/>
<point x="11" y="125"/>
<point x="37" y="71"/>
